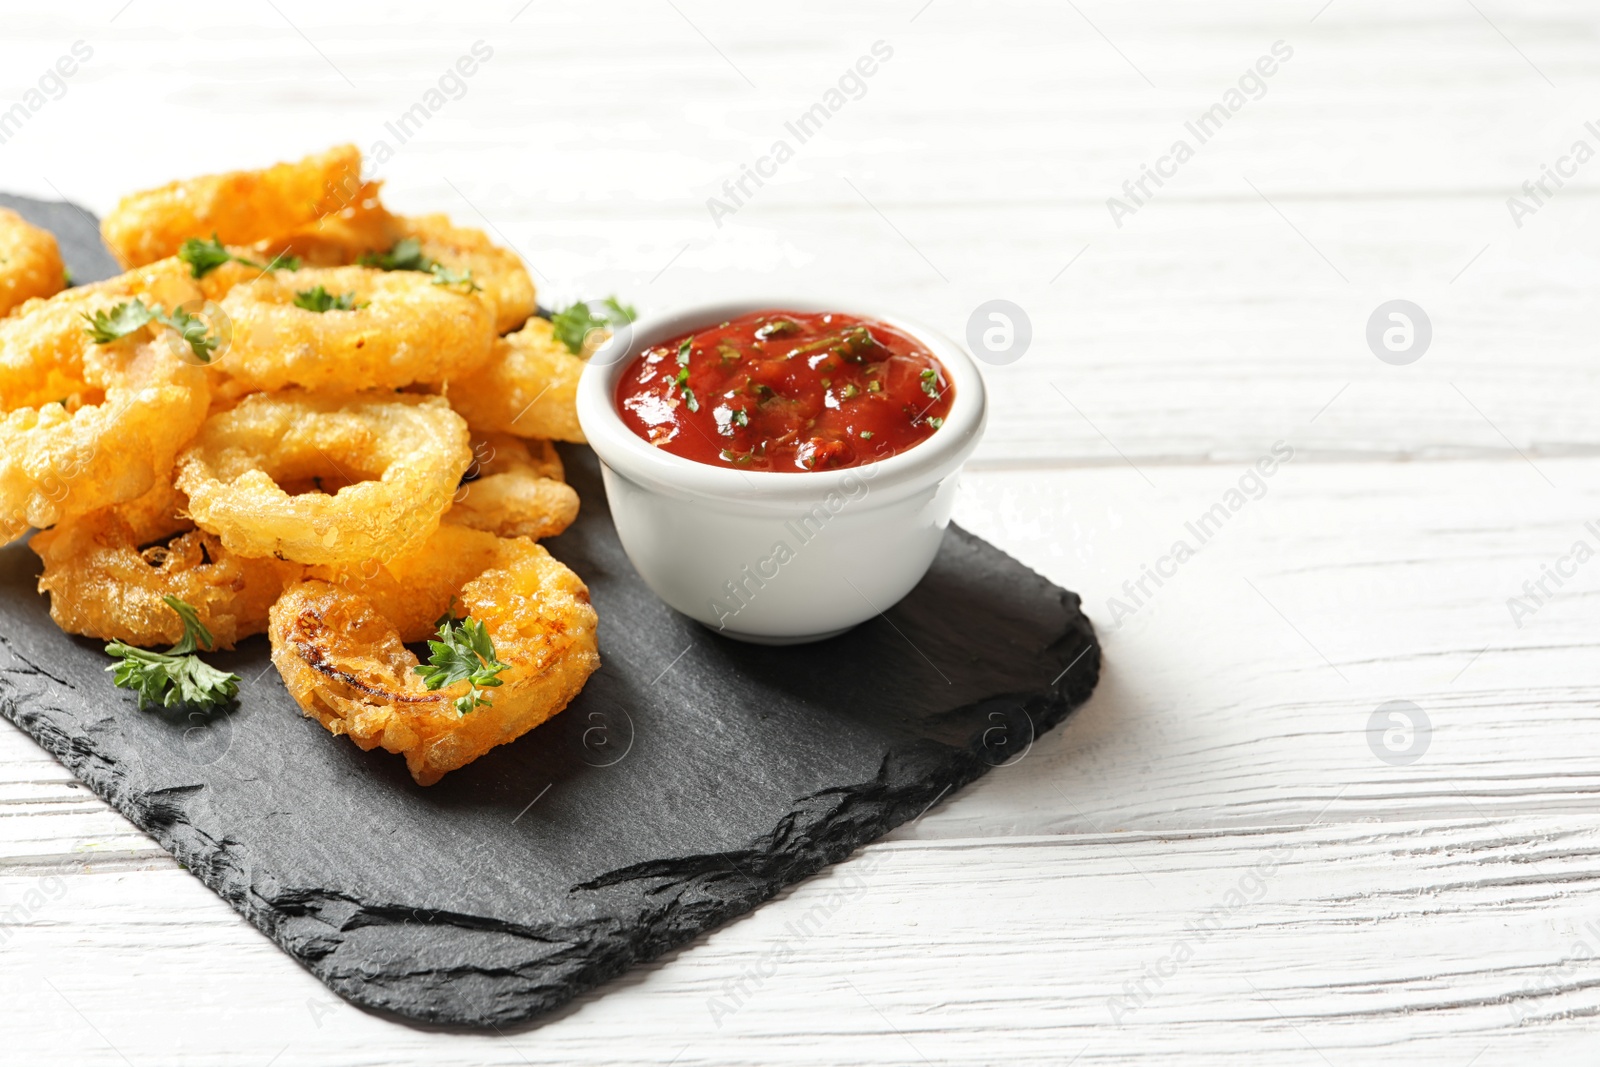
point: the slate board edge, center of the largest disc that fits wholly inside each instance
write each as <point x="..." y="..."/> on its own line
<point x="864" y="812"/>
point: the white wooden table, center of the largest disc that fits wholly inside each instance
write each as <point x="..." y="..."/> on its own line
<point x="1214" y="862"/>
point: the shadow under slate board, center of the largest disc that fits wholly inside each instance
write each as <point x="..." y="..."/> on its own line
<point x="692" y="779"/>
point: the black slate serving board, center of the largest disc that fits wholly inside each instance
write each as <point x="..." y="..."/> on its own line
<point x="692" y="779"/>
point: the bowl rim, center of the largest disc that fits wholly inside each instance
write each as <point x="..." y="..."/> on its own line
<point x="630" y="455"/>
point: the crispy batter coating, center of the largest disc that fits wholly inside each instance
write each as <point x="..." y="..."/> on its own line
<point x="86" y="426"/>
<point x="361" y="227"/>
<point x="345" y="664"/>
<point x="498" y="271"/>
<point x="240" y="207"/>
<point x="528" y="387"/>
<point x="106" y="579"/>
<point x="397" y="459"/>
<point x="514" y="489"/>
<point x="30" y="262"/>
<point x="408" y="330"/>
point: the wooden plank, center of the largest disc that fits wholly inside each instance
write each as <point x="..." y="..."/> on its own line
<point x="1400" y="942"/>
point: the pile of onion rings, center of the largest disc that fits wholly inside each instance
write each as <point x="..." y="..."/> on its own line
<point x="298" y="414"/>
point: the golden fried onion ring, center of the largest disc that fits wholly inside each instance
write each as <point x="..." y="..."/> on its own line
<point x="345" y="664"/>
<point x="528" y="387"/>
<point x="408" y="330"/>
<point x="515" y="490"/>
<point x="401" y="456"/>
<point x="86" y="426"/>
<point x="30" y="262"/>
<point x="365" y="228"/>
<point x="103" y="584"/>
<point x="240" y="207"/>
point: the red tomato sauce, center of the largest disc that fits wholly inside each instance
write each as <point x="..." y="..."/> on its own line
<point x="786" y="391"/>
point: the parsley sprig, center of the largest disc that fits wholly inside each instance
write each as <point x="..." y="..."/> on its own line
<point x="573" y="325"/>
<point x="192" y="328"/>
<point x="463" y="652"/>
<point x="407" y="254"/>
<point x="176" y="676"/>
<point x="204" y="257"/>
<point x="107" y="326"/>
<point x="318" y="299"/>
<point x="682" y="378"/>
<point x="130" y="317"/>
<point x="443" y="275"/>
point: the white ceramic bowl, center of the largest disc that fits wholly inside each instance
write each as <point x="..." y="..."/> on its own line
<point x="778" y="558"/>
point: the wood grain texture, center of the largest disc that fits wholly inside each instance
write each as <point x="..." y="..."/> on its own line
<point x="1435" y="913"/>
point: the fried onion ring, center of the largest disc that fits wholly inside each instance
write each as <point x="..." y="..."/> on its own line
<point x="240" y="207"/>
<point x="514" y="490"/>
<point x="103" y="584"/>
<point x="404" y="329"/>
<point x="399" y="458"/>
<point x="30" y="262"/>
<point x="529" y="387"/>
<point x="345" y="663"/>
<point x="86" y="426"/>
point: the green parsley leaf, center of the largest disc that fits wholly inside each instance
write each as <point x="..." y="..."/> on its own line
<point x="741" y="417"/>
<point x="866" y="435"/>
<point x="281" y="261"/>
<point x="776" y="328"/>
<point x="443" y="275"/>
<point x="574" y="324"/>
<point x="850" y="391"/>
<point x="320" y="300"/>
<point x="935" y="421"/>
<point x="176" y="676"/>
<point x="405" y="255"/>
<point x="108" y="326"/>
<point x="204" y="257"/>
<point x="682" y="382"/>
<point x="463" y="652"/>
<point x="192" y="328"/>
<point x="930" y="382"/>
